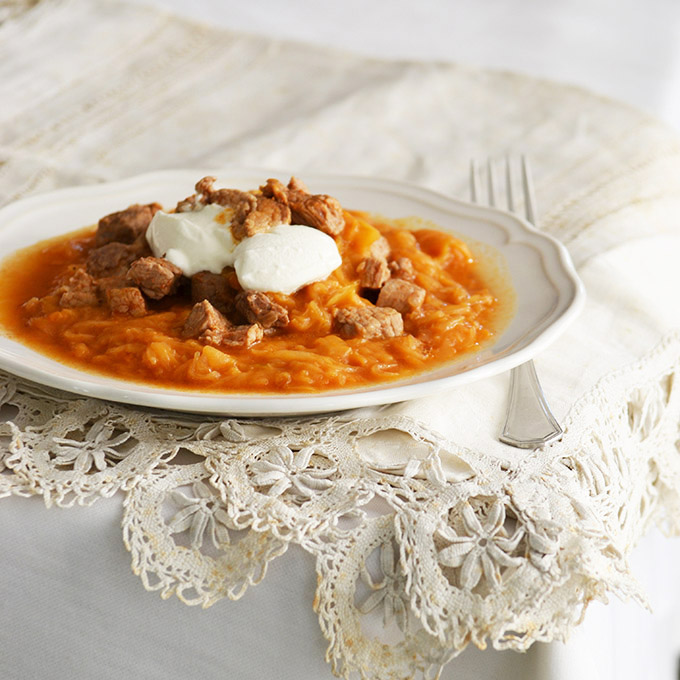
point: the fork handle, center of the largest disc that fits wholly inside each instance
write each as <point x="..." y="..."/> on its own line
<point x="529" y="422"/>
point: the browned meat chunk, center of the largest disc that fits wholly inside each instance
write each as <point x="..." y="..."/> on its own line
<point x="189" y="204"/>
<point x="245" y="336"/>
<point x="296" y="184"/>
<point x="313" y="210"/>
<point x="401" y="295"/>
<point x="155" y="276"/>
<point x="260" y="308"/>
<point x="204" y="186"/>
<point x="206" y="324"/>
<point x="380" y="248"/>
<point x="141" y="247"/>
<point x="266" y="214"/>
<point x="402" y="268"/>
<point x="214" y="288"/>
<point x="369" y="322"/>
<point x="125" y="226"/>
<point x="115" y="281"/>
<point x="196" y="202"/>
<point x="276" y="205"/>
<point x="276" y="190"/>
<point x="232" y="198"/>
<point x="316" y="210"/>
<point x="373" y="272"/>
<point x="119" y="259"/>
<point x="242" y="201"/>
<point x="129" y="301"/>
<point x="111" y="259"/>
<point x="80" y="290"/>
<point x="252" y="214"/>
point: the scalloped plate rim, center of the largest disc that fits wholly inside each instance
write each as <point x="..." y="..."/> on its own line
<point x="20" y="360"/>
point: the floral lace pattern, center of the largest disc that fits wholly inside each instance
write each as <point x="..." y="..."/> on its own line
<point x="411" y="568"/>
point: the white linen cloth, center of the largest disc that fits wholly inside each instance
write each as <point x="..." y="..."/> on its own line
<point x="98" y="92"/>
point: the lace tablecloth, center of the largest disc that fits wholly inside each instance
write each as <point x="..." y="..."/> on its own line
<point x="427" y="533"/>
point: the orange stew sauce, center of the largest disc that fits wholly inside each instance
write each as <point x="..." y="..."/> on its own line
<point x="458" y="315"/>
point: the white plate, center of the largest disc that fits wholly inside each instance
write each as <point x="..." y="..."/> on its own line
<point x="548" y="291"/>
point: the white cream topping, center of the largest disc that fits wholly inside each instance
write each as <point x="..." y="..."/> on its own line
<point x="281" y="260"/>
<point x="194" y="241"/>
<point x="285" y="258"/>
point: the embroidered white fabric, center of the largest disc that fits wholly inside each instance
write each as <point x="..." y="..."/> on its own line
<point x="427" y="533"/>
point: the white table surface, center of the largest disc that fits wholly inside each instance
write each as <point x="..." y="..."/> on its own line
<point x="626" y="50"/>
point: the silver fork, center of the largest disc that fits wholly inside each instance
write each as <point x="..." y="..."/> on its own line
<point x="529" y="422"/>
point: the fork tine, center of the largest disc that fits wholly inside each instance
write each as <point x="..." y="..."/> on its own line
<point x="491" y="181"/>
<point x="529" y="198"/>
<point x="508" y="185"/>
<point x="474" y="182"/>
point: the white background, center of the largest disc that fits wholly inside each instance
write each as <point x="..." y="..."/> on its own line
<point x="625" y="49"/>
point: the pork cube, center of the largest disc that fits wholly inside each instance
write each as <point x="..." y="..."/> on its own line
<point x="401" y="295"/>
<point x="206" y="323"/>
<point x="126" y="225"/>
<point x="155" y="276"/>
<point x="212" y="287"/>
<point x="258" y="307"/>
<point x="373" y="272"/>
<point x="402" y="268"/>
<point x="128" y="301"/>
<point x="80" y="290"/>
<point x="111" y="259"/>
<point x="368" y="322"/>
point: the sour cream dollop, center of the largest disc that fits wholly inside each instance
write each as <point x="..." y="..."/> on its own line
<point x="285" y="258"/>
<point x="281" y="260"/>
<point x="194" y="241"/>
